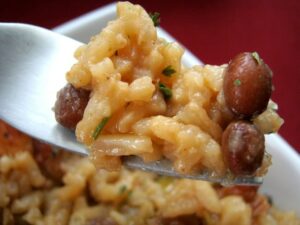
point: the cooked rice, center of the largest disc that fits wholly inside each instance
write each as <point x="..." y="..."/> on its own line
<point x="40" y="186"/>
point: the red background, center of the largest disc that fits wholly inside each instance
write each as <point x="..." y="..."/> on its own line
<point x="214" y="30"/>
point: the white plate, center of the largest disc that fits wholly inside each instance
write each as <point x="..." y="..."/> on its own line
<point x="282" y="182"/>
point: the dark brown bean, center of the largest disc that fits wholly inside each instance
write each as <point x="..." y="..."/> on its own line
<point x="243" y="147"/>
<point x="49" y="161"/>
<point x="247" y="85"/>
<point x="70" y="105"/>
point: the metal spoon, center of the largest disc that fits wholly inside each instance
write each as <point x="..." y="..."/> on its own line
<point x="33" y="62"/>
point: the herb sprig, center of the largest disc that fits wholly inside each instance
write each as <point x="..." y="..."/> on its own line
<point x="155" y="18"/>
<point x="100" y="127"/>
<point x="255" y="55"/>
<point x="168" y="71"/>
<point x="122" y="189"/>
<point x="237" y="82"/>
<point x="166" y="91"/>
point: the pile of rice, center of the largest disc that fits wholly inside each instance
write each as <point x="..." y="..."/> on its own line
<point x="44" y="186"/>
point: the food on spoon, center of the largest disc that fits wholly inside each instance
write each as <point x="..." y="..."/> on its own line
<point x="144" y="102"/>
<point x="44" y="186"/>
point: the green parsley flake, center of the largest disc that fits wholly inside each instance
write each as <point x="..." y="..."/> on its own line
<point x="168" y="71"/>
<point x="99" y="128"/>
<point x="155" y="18"/>
<point x="255" y="55"/>
<point x="122" y="189"/>
<point x="237" y="82"/>
<point x="167" y="92"/>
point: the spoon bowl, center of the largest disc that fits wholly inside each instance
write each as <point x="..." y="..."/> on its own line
<point x="33" y="62"/>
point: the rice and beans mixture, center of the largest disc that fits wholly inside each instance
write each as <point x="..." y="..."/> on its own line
<point x="129" y="94"/>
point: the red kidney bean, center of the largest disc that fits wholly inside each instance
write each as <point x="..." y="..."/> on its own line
<point x="247" y="85"/>
<point x="243" y="147"/>
<point x="49" y="161"/>
<point x="70" y="105"/>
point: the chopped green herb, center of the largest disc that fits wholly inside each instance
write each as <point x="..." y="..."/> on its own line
<point x="168" y="71"/>
<point x="167" y="92"/>
<point x="272" y="105"/>
<point x="100" y="126"/>
<point x="256" y="57"/>
<point x="122" y="189"/>
<point x="237" y="82"/>
<point x="155" y="18"/>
